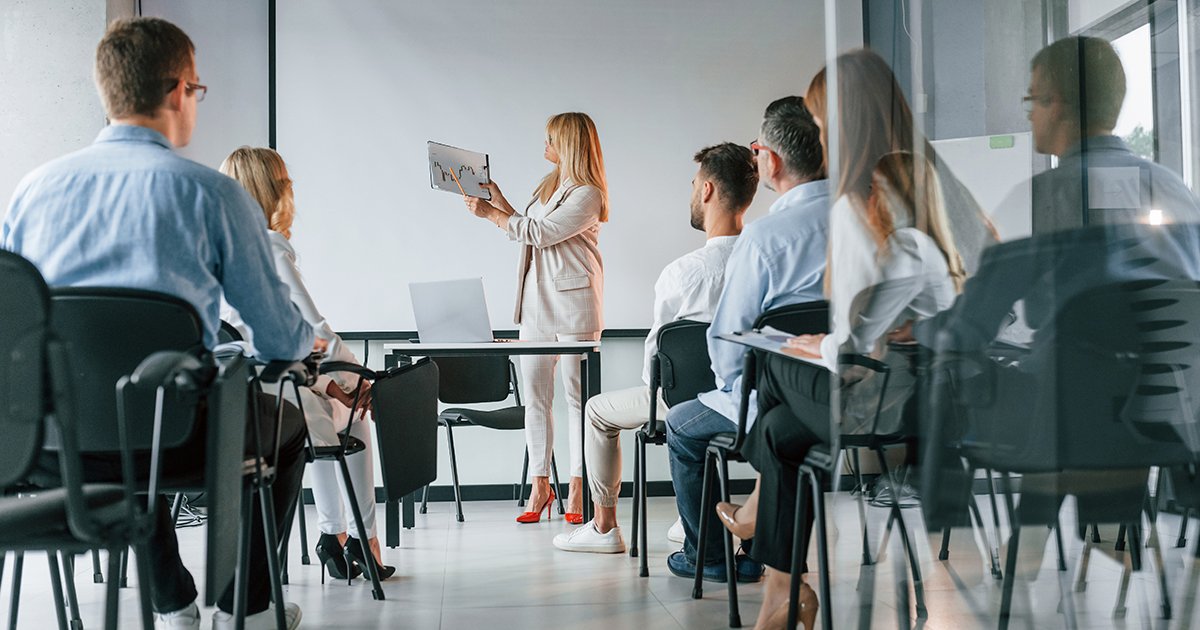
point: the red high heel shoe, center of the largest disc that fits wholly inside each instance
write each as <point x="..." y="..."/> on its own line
<point x="574" y="518"/>
<point x="533" y="517"/>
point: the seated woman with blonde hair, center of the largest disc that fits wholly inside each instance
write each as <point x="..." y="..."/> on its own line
<point x="327" y="404"/>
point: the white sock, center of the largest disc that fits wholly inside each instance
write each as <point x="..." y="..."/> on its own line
<point x="191" y="610"/>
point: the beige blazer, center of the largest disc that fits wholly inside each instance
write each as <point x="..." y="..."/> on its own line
<point x="560" y="244"/>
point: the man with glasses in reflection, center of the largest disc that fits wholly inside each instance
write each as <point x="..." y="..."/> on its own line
<point x="1075" y="95"/>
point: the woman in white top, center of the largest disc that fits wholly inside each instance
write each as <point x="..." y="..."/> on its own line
<point x="892" y="259"/>
<point x="560" y="288"/>
<point x="327" y="403"/>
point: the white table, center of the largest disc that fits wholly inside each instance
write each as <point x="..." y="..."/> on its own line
<point x="589" y="377"/>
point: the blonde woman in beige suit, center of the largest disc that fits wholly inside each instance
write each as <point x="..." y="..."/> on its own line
<point x="560" y="288"/>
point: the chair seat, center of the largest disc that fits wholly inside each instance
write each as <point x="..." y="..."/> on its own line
<point x="27" y="521"/>
<point x="353" y="445"/>
<point x="506" y="419"/>
<point x="660" y="433"/>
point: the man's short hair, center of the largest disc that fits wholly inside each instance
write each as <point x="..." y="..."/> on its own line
<point x="789" y="129"/>
<point x="138" y="61"/>
<point x="1086" y="74"/>
<point x="733" y="169"/>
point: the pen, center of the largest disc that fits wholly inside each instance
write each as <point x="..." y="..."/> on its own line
<point x="460" y="188"/>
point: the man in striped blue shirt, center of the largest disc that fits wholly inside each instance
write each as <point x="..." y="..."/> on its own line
<point x="128" y="212"/>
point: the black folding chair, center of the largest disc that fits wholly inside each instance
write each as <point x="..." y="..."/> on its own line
<point x="679" y="371"/>
<point x="1113" y="398"/>
<point x="475" y="380"/>
<point x="105" y="331"/>
<point x="806" y="318"/>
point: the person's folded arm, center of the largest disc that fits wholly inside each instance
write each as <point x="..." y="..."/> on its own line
<point x="577" y="213"/>
<point x="252" y="285"/>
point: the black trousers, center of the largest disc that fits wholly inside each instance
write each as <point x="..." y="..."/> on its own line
<point x="172" y="586"/>
<point x="793" y="416"/>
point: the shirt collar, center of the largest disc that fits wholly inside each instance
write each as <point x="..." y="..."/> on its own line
<point x="1096" y="143"/>
<point x="800" y="194"/>
<point x="719" y="240"/>
<point x="132" y="133"/>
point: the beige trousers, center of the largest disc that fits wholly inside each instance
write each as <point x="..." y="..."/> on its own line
<point x="537" y="379"/>
<point x="607" y="415"/>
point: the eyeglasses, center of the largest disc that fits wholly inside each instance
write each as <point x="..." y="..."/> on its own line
<point x="197" y="89"/>
<point x="193" y="88"/>
<point x="755" y="147"/>
<point x="1040" y="99"/>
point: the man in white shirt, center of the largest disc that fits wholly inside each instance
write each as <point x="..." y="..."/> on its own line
<point x="688" y="288"/>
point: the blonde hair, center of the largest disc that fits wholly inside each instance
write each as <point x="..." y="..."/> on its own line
<point x="573" y="135"/>
<point x="263" y="174"/>
<point x="906" y="189"/>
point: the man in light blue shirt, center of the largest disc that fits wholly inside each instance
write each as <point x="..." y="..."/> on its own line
<point x="128" y="212"/>
<point x="779" y="260"/>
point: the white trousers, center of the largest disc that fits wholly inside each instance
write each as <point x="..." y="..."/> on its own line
<point x="334" y="514"/>
<point x="607" y="415"/>
<point x="537" y="381"/>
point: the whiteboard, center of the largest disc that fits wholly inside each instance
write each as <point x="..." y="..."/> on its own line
<point x="362" y="86"/>
<point x="998" y="170"/>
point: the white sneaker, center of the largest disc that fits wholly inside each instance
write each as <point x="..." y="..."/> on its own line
<point x="187" y="618"/>
<point x="587" y="538"/>
<point x="675" y="534"/>
<point x="264" y="620"/>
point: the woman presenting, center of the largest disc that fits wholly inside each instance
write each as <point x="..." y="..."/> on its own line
<point x="560" y="287"/>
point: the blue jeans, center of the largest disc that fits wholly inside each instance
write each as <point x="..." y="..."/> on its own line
<point x="690" y="425"/>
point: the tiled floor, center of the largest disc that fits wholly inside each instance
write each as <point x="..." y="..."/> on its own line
<point x="490" y="573"/>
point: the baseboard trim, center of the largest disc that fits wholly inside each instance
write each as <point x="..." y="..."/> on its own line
<point x="508" y="492"/>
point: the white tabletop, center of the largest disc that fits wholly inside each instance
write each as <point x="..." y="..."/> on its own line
<point x="512" y="347"/>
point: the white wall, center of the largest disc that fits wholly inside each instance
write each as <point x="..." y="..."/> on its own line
<point x="231" y="59"/>
<point x="363" y="86"/>
<point x="48" y="102"/>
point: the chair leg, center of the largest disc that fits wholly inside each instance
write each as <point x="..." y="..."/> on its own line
<point x="633" y="525"/>
<point x="425" y="500"/>
<point x="862" y="508"/>
<point x="176" y="507"/>
<point x="944" y="552"/>
<point x="1164" y="590"/>
<point x="1010" y="568"/>
<point x="1181" y="541"/>
<point x="142" y="557"/>
<point x="644" y="569"/>
<point x="116" y="557"/>
<point x="735" y="617"/>
<point x="124" y="571"/>
<point x="557" y="485"/>
<point x="705" y="499"/>
<point x="798" y="555"/>
<point x="97" y="574"/>
<point x="909" y="550"/>
<point x="371" y="570"/>
<point x="1120" y="545"/>
<point x="454" y="474"/>
<point x="14" y="604"/>
<point x="524" y="479"/>
<point x="1062" y="553"/>
<point x="242" y="572"/>
<point x="818" y="497"/>
<point x="68" y="561"/>
<point x="993" y="546"/>
<point x="56" y="586"/>
<point x="265" y="501"/>
<point x="1095" y="533"/>
<point x="303" y="518"/>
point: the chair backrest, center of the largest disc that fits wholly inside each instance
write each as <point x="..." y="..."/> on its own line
<point x="684" y="369"/>
<point x="228" y="333"/>
<point x="227" y="402"/>
<point x="24" y="315"/>
<point x="1127" y="367"/>
<point x="405" y="408"/>
<point x="805" y="318"/>
<point x="107" y="332"/>
<point x="469" y="380"/>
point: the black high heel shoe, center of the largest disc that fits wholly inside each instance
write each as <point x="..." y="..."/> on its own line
<point x="354" y="555"/>
<point x="332" y="557"/>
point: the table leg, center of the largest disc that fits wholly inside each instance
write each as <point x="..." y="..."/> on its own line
<point x="393" y="517"/>
<point x="591" y="385"/>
